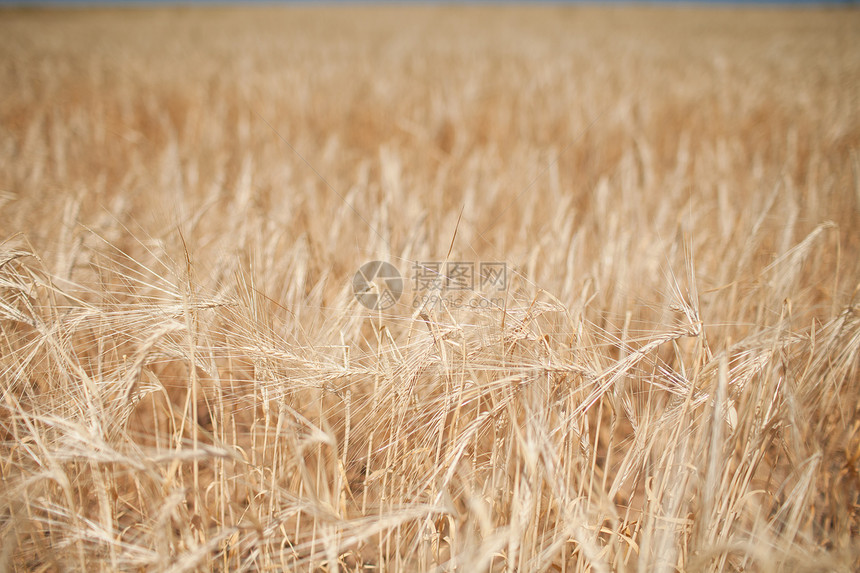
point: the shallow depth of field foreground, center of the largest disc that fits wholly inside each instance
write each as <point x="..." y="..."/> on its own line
<point x="667" y="380"/>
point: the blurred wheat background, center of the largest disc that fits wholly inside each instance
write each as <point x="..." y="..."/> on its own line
<point x="671" y="382"/>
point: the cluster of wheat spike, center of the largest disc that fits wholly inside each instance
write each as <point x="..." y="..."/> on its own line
<point x="670" y="383"/>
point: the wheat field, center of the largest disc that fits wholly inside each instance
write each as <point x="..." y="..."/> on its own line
<point x="666" y="380"/>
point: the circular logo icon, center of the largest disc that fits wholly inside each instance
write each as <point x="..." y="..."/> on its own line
<point x="377" y="285"/>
